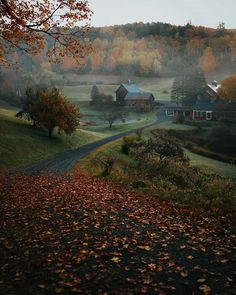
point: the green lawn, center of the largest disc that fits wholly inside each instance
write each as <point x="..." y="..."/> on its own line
<point x="222" y="168"/>
<point x="158" y="86"/>
<point x="21" y="143"/>
<point x="139" y="120"/>
<point x="174" y="126"/>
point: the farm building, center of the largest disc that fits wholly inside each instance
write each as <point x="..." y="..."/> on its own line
<point x="219" y="111"/>
<point x="210" y="92"/>
<point x="225" y="112"/>
<point x="129" y="95"/>
<point x="197" y="112"/>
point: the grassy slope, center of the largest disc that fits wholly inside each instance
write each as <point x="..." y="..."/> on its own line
<point x="114" y="149"/>
<point x="21" y="144"/>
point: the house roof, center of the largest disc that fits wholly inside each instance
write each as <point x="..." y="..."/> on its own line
<point x="198" y="106"/>
<point x="131" y="88"/>
<point x="203" y="106"/>
<point x="214" y="88"/>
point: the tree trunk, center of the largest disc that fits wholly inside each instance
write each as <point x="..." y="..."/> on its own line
<point x="50" y="131"/>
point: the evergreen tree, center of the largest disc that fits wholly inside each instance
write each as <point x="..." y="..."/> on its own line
<point x="94" y="94"/>
<point x="188" y="85"/>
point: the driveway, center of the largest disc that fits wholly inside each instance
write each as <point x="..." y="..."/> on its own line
<point x="63" y="162"/>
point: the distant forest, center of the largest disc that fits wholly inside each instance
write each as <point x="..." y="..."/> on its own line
<point x="151" y="49"/>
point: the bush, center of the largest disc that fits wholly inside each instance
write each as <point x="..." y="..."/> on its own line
<point x="105" y="163"/>
<point x="128" y="142"/>
<point x="180" y="119"/>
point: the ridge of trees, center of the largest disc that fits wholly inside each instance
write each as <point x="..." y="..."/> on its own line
<point x="155" y="49"/>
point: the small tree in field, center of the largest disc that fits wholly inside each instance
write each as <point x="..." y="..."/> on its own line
<point x="113" y="114"/>
<point x="55" y="111"/>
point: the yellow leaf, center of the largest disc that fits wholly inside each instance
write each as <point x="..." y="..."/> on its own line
<point x="205" y="289"/>
<point x="115" y="259"/>
<point x="146" y="248"/>
<point x="201" y="280"/>
<point x="184" y="274"/>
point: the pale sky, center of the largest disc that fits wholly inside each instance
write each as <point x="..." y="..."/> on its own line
<point x="201" y="12"/>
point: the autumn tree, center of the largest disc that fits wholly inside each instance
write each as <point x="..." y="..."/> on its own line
<point x="228" y="88"/>
<point x="55" y="111"/>
<point x="207" y="61"/>
<point x="25" y="25"/>
<point x="50" y="109"/>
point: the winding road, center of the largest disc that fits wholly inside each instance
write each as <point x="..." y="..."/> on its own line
<point x="64" y="162"/>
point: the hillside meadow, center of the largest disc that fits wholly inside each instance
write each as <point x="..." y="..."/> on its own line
<point x="22" y="144"/>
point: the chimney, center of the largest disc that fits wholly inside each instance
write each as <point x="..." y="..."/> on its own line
<point x="214" y="83"/>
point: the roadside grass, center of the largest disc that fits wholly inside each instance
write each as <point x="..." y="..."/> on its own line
<point x="21" y="144"/>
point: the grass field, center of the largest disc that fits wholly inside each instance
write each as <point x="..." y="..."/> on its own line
<point x="21" y="143"/>
<point x="138" y="121"/>
<point x="157" y="86"/>
<point x="217" y="166"/>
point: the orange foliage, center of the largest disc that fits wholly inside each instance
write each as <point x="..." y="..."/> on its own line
<point x="228" y="88"/>
<point x="97" y="61"/>
<point x="207" y="61"/>
<point x="28" y="22"/>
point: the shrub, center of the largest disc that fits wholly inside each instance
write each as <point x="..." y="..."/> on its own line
<point x="128" y="142"/>
<point x="105" y="163"/>
<point x="180" y="119"/>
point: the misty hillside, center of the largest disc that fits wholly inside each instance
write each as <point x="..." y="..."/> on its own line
<point x="151" y="49"/>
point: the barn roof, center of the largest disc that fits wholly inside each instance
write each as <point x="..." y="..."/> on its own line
<point x="131" y="88"/>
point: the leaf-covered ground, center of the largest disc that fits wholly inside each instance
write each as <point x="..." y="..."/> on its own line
<point x="78" y="234"/>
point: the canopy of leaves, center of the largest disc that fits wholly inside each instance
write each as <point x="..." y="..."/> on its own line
<point x="24" y="25"/>
<point x="49" y="109"/>
<point x="55" y="111"/>
<point x="228" y="88"/>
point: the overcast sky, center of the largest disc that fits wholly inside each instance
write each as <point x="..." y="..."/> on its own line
<point x="202" y="12"/>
